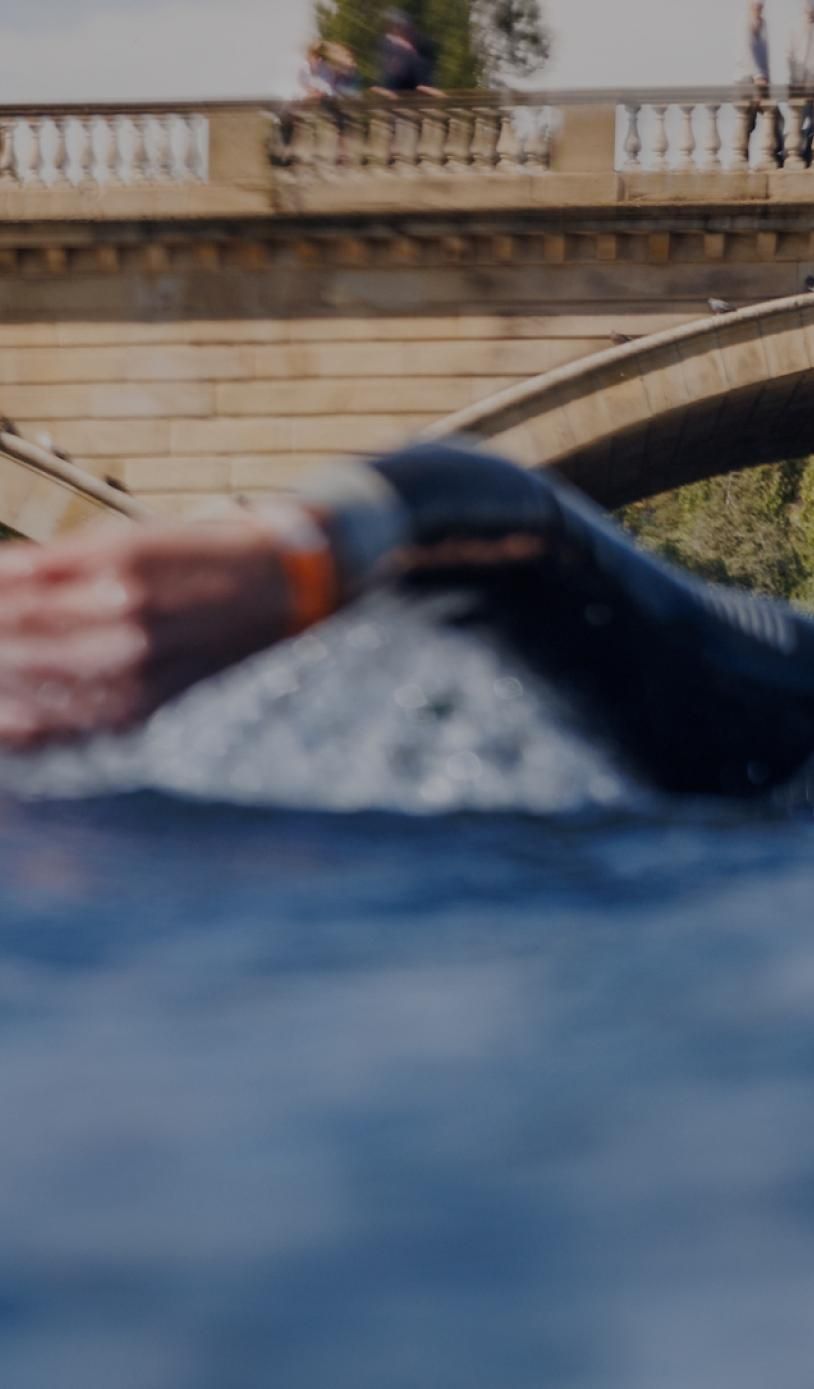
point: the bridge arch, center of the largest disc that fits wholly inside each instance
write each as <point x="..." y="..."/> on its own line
<point x="43" y="496"/>
<point x="672" y="408"/>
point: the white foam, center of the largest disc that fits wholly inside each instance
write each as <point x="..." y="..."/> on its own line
<point x="386" y="707"/>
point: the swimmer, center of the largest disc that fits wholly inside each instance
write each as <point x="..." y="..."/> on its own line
<point x="705" y="690"/>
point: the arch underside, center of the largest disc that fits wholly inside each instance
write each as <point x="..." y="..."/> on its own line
<point x="757" y="424"/>
<point x="649" y="416"/>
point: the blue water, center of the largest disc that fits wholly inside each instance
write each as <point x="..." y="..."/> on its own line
<point x="387" y="1101"/>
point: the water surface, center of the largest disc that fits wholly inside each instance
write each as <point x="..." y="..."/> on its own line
<point x="380" y="1100"/>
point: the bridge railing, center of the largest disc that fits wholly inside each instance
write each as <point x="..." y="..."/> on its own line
<point x="713" y="132"/>
<point x="458" y="134"/>
<point x="228" y="157"/>
<point x="103" y="146"/>
<point x="679" y="130"/>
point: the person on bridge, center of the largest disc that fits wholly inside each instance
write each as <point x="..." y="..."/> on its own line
<point x="706" y="690"/>
<point x="801" y="75"/>
<point x="753" y="59"/>
<point x="406" y="58"/>
<point x="754" y="76"/>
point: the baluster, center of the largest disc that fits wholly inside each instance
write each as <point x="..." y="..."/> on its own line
<point x="661" y="143"/>
<point x="459" y="140"/>
<point x="36" y="160"/>
<point x="743" y="130"/>
<point x="354" y="138"/>
<point x="87" y="152"/>
<point x="794" y="135"/>
<point x="200" y="124"/>
<point x="302" y="151"/>
<point x="121" y="130"/>
<point x="633" y="140"/>
<point x="379" y="140"/>
<point x="7" y="158"/>
<point x="183" y="148"/>
<point x="405" y="142"/>
<point x="106" y="151"/>
<point x="188" y="144"/>
<point x="686" y="145"/>
<point x="485" y="139"/>
<point x="62" y="158"/>
<point x="164" y="151"/>
<point x="538" y="145"/>
<point x="326" y="144"/>
<point x="508" y="144"/>
<point x="152" y="140"/>
<point x="20" y="150"/>
<point x="140" y="151"/>
<point x="767" y="152"/>
<point x="431" y="141"/>
<point x="712" y="142"/>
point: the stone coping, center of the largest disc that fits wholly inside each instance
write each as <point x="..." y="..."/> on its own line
<point x="587" y="375"/>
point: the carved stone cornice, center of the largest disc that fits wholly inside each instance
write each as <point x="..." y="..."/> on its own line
<point x="261" y="246"/>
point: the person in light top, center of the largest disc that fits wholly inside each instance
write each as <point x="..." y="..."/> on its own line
<point x="754" y="75"/>
<point x="316" y="78"/>
<point x="753" y="60"/>
<point x="801" y="51"/>
<point x="801" y="75"/>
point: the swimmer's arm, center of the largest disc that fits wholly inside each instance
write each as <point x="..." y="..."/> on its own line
<point x="97" y="631"/>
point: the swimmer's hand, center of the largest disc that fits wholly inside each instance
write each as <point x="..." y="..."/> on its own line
<point x="96" y="632"/>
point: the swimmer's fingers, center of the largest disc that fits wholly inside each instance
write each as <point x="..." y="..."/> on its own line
<point x="98" y="545"/>
<point x="52" y="609"/>
<point x="96" y="633"/>
<point x="41" y="705"/>
<point x="52" y="686"/>
<point x="51" y="696"/>
<point x="109" y="652"/>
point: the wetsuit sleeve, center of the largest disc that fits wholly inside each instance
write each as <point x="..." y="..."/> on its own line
<point x="707" y="688"/>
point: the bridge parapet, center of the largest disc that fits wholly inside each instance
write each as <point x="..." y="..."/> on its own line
<point x="466" y="151"/>
<point x="676" y="131"/>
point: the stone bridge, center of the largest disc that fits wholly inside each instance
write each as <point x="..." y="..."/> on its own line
<point x="204" y="300"/>
<point x="655" y="414"/>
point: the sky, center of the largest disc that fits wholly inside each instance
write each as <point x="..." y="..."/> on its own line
<point x="96" y="50"/>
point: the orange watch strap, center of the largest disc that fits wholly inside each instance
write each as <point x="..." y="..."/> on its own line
<point x="313" y="586"/>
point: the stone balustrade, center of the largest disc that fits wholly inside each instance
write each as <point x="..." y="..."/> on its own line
<point x="535" y="149"/>
<point x="518" y="133"/>
<point x="102" y="147"/>
<point x="453" y="135"/>
<point x="713" y="134"/>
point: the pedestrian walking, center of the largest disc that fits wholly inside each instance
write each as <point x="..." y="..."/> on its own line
<point x="406" y="58"/>
<point x="754" y="75"/>
<point x="801" y="76"/>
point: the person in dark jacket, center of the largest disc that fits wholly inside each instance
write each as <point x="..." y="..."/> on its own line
<point x="407" y="59"/>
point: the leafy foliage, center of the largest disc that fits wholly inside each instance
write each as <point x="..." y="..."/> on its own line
<point x="511" y="39"/>
<point x="480" y="42"/>
<point x="754" y="529"/>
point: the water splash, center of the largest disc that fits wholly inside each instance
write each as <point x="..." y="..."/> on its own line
<point x="386" y="707"/>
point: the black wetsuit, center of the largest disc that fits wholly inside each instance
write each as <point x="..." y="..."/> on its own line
<point x="706" y="690"/>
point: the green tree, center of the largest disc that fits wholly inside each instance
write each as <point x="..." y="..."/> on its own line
<point x="480" y="42"/>
<point x="511" y="39"/>
<point x="754" y="529"/>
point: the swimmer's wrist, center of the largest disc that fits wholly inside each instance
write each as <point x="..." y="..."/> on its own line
<point x="345" y="532"/>
<point x="368" y="526"/>
<point x="302" y="554"/>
